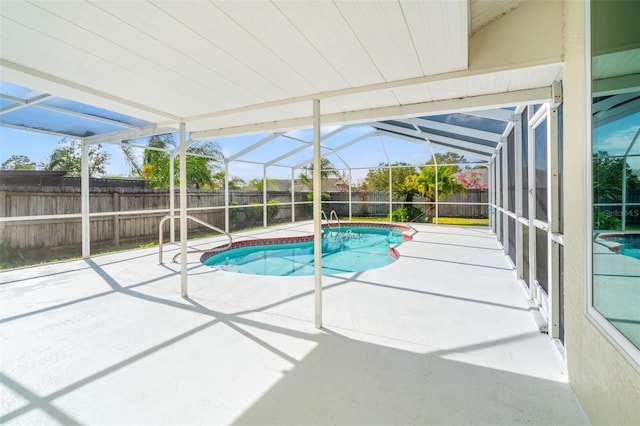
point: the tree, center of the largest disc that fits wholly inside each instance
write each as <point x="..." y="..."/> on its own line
<point x="431" y="179"/>
<point x="18" y="162"/>
<point x="258" y="183"/>
<point x="235" y="182"/>
<point x="450" y="158"/>
<point x="378" y="179"/>
<point x="68" y="158"/>
<point x="326" y="169"/>
<point x="607" y="178"/>
<point x="156" y="167"/>
<point x="436" y="179"/>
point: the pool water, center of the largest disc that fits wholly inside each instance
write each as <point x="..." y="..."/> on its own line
<point x="630" y="246"/>
<point x="344" y="250"/>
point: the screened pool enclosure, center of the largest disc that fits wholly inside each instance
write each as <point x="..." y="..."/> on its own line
<point x="517" y="145"/>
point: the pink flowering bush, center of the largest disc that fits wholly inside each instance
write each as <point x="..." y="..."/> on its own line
<point x="471" y="179"/>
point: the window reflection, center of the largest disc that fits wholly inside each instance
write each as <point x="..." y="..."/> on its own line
<point x="615" y="52"/>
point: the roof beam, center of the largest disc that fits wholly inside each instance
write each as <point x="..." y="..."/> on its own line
<point x="469" y="105"/>
<point x="493" y="114"/>
<point x="343" y="146"/>
<point x="128" y="134"/>
<point x="303" y="147"/>
<point x="22" y="103"/>
<point x="434" y="137"/>
<point x="460" y="130"/>
<point x="251" y="147"/>
<point x="33" y="129"/>
<point x="432" y="144"/>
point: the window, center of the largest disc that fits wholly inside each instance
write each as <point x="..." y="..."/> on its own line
<point x="615" y="171"/>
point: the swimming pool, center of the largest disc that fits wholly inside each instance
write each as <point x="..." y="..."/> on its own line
<point x="344" y="249"/>
<point x="630" y="246"/>
<point x="626" y="244"/>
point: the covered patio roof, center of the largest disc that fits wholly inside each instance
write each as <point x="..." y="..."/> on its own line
<point x="228" y="68"/>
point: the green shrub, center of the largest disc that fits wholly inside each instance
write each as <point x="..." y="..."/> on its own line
<point x="603" y="221"/>
<point x="406" y="214"/>
<point x="325" y="196"/>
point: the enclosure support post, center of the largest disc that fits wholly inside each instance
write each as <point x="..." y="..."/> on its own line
<point x="226" y="197"/>
<point x="553" y="249"/>
<point x="436" y="185"/>
<point x="172" y="198"/>
<point x="183" y="211"/>
<point x="84" y="201"/>
<point x="350" y="211"/>
<point x="317" y="208"/>
<point x="491" y="188"/>
<point x="390" y="190"/>
<point x="264" y="196"/>
<point x="293" y="197"/>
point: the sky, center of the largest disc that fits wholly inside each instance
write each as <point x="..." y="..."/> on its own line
<point x="360" y="157"/>
<point x="613" y="138"/>
<point x="365" y="154"/>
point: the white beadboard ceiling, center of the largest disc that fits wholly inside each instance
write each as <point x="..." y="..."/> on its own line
<point x="221" y="64"/>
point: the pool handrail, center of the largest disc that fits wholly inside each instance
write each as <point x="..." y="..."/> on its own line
<point x="332" y="214"/>
<point x="201" y="222"/>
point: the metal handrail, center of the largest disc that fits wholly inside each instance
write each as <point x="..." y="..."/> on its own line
<point x="201" y="222"/>
<point x="332" y="214"/>
<point x="324" y="216"/>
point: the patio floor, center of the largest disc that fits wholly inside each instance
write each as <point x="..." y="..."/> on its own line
<point x="442" y="336"/>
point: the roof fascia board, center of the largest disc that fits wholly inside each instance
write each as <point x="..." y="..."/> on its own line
<point x="469" y="105"/>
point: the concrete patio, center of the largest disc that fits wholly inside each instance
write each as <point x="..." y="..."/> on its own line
<point x="444" y="335"/>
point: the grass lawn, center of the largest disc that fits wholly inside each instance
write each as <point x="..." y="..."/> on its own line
<point x="441" y="220"/>
<point x="463" y="221"/>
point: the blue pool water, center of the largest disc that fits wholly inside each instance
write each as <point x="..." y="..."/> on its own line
<point x="350" y="249"/>
<point x="630" y="246"/>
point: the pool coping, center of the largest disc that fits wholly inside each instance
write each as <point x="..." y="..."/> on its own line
<point x="407" y="235"/>
<point x="614" y="246"/>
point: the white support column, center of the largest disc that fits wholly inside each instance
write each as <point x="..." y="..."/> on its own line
<point x="84" y="201"/>
<point x="172" y="198"/>
<point x="531" y="195"/>
<point x="498" y="199"/>
<point x="492" y="195"/>
<point x="517" y="134"/>
<point x="317" y="208"/>
<point x="505" y="194"/>
<point x="293" y="196"/>
<point x="350" y="200"/>
<point x="183" y="211"/>
<point x="390" y="191"/>
<point x="436" y="185"/>
<point x="264" y="196"/>
<point x="553" y="215"/>
<point x="227" y="225"/>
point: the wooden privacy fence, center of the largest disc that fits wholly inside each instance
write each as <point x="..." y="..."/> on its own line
<point x="122" y="216"/>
